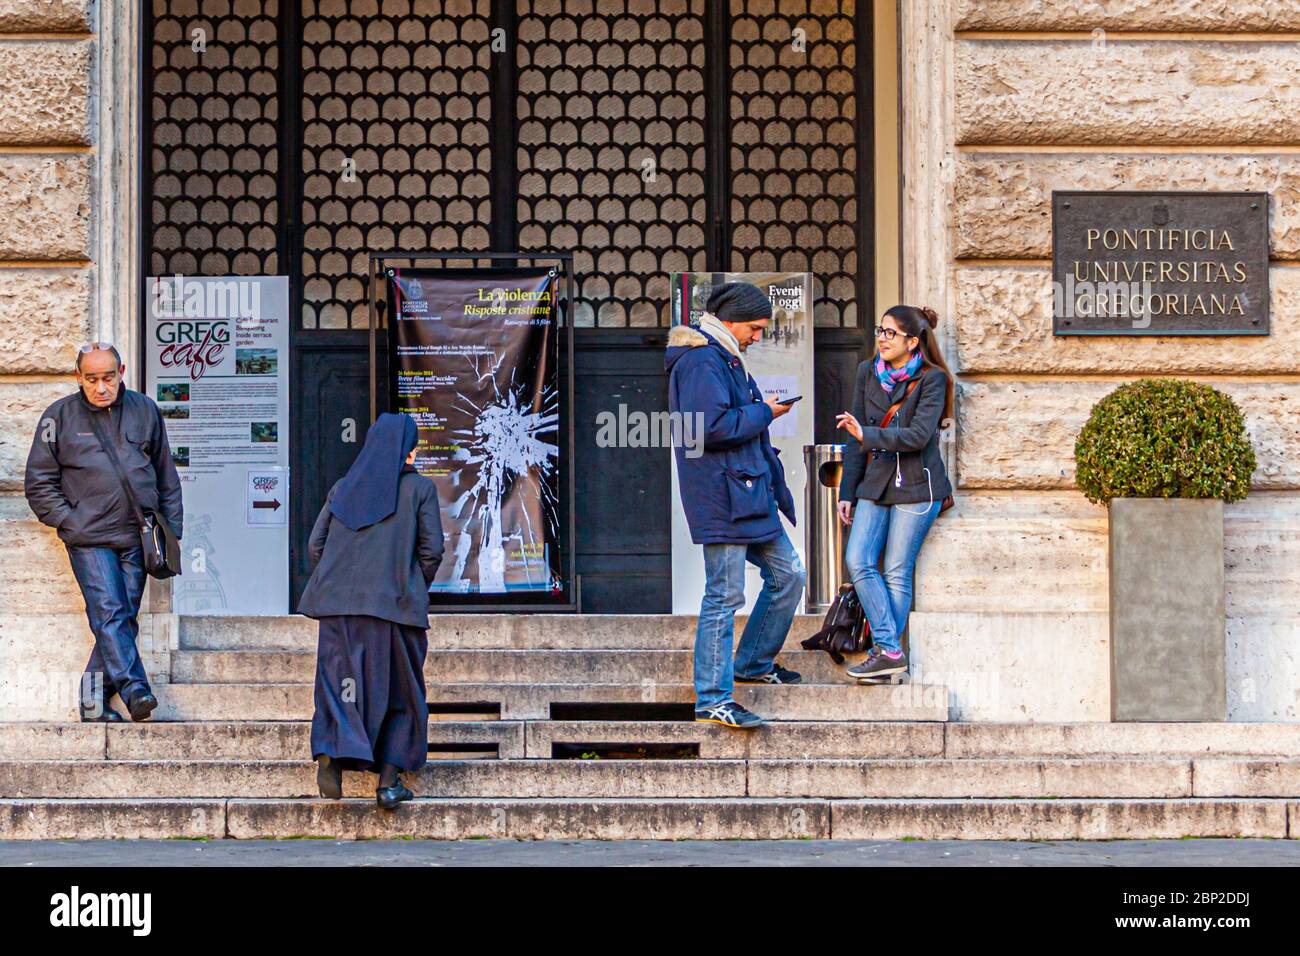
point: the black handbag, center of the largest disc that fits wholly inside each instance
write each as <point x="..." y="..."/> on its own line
<point x="162" y="551"/>
<point x="844" y="630"/>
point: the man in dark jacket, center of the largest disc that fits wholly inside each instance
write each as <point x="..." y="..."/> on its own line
<point x="731" y="494"/>
<point x="72" y="486"/>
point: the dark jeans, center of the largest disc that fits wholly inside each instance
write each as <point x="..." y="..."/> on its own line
<point x="112" y="582"/>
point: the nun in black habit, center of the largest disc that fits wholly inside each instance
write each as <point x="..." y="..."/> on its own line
<point x="376" y="545"/>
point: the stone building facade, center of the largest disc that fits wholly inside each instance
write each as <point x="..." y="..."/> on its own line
<point x="999" y="103"/>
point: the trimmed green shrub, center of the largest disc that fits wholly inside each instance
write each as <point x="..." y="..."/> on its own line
<point x="1164" y="438"/>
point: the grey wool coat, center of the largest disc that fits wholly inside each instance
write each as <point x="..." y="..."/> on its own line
<point x="383" y="570"/>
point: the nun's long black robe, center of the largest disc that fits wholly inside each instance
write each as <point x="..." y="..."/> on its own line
<point x="370" y="593"/>
<point x="370" y="701"/>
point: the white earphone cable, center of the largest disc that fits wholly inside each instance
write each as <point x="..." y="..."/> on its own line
<point x="898" y="482"/>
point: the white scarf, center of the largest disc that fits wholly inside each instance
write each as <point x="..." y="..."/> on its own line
<point x="713" y="325"/>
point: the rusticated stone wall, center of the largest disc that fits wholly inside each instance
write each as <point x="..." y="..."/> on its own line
<point x="1027" y="96"/>
<point x="1003" y="101"/>
<point x="49" y="204"/>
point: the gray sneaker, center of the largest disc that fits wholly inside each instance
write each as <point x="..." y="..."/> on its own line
<point x="879" y="668"/>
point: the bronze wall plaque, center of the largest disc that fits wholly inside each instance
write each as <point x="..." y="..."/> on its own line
<point x="1160" y="263"/>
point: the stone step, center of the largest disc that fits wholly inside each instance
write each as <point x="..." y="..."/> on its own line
<point x="297" y="779"/>
<point x="534" y="701"/>
<point x="1061" y="819"/>
<point x="649" y="819"/>
<point x="595" y="778"/>
<point x="1101" y="739"/>
<point x="133" y="819"/>
<point x="483" y="631"/>
<point x="289" y="740"/>
<point x="494" y="666"/>
<point x="783" y="739"/>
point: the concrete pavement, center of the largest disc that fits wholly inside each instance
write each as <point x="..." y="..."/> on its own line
<point x="783" y="853"/>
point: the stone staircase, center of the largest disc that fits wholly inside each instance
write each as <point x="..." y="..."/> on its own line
<point x="549" y="726"/>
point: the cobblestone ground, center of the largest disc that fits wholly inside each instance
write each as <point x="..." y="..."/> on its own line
<point x="1197" y="853"/>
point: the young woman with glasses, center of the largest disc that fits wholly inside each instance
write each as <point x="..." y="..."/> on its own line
<point x="894" y="482"/>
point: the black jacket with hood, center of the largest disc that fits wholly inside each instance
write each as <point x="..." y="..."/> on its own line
<point x="71" y="485"/>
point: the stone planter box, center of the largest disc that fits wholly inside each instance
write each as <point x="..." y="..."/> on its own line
<point x="1167" y="629"/>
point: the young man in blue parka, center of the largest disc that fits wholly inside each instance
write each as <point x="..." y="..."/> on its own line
<point x="731" y="493"/>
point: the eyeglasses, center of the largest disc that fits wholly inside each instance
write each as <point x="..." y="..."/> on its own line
<point x="886" y="334"/>
<point x="98" y="347"/>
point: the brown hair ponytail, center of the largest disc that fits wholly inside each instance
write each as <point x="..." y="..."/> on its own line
<point x="920" y="323"/>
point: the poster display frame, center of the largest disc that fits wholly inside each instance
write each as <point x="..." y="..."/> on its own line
<point x="380" y="388"/>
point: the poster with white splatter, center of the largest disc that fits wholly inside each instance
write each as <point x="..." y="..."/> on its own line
<point x="474" y="361"/>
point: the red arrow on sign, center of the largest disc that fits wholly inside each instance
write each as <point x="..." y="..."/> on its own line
<point x="273" y="504"/>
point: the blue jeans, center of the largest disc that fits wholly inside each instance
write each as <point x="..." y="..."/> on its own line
<point x="724" y="594"/>
<point x="887" y="596"/>
<point x="112" y="582"/>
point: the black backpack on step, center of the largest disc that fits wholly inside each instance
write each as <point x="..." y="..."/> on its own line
<point x="844" y="630"/>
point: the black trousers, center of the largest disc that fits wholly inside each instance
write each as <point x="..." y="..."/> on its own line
<point x="370" y="702"/>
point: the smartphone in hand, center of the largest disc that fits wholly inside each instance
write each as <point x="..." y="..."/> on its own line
<point x="788" y="401"/>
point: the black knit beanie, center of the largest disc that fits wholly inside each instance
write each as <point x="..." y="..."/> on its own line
<point x="739" y="302"/>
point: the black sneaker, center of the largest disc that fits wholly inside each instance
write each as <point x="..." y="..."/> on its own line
<point x="729" y="714"/>
<point x="778" y="675"/>
<point x="879" y="667"/>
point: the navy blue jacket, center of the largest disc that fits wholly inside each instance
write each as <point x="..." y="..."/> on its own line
<point x="731" y="492"/>
<point x="904" y="450"/>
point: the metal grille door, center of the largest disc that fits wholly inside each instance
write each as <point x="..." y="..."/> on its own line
<point x="644" y="136"/>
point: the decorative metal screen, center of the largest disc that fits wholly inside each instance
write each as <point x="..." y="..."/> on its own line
<point x="794" y="160"/>
<point x="611" y="147"/>
<point x="395" y="154"/>
<point x="214" y="120"/>
<point x="607" y="153"/>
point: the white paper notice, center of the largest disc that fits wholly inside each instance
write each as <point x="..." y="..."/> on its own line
<point x="267" y="493"/>
<point x="779" y="387"/>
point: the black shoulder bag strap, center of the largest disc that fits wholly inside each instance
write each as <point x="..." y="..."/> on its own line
<point x="111" y="452"/>
<point x="158" y="542"/>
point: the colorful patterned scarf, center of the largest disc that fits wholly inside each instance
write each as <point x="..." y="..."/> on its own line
<point x="889" y="377"/>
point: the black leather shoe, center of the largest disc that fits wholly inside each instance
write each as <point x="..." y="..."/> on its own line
<point x="329" y="778"/>
<point x="142" y="705"/>
<point x="107" y="715"/>
<point x="389" y="797"/>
